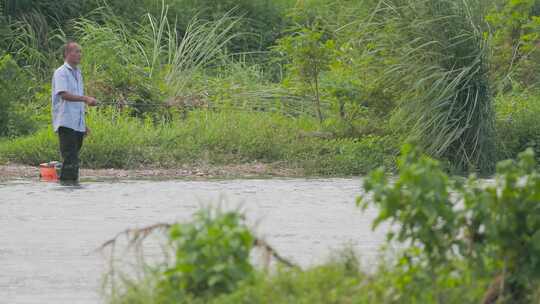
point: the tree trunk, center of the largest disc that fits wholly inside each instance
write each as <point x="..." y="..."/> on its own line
<point x="318" y="100"/>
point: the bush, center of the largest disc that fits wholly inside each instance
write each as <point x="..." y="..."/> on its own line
<point x="212" y="255"/>
<point x="515" y="28"/>
<point x="13" y="86"/>
<point x="492" y="229"/>
<point x="518" y="126"/>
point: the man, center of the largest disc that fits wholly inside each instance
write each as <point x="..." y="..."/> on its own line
<point x="68" y="110"/>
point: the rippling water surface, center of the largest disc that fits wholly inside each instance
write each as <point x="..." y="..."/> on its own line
<point x="49" y="233"/>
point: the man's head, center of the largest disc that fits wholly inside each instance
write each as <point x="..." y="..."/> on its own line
<point x="72" y="53"/>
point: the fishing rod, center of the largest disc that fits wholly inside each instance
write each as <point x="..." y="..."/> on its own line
<point x="191" y="106"/>
<point x="289" y="99"/>
<point x="138" y="104"/>
<point x="288" y="103"/>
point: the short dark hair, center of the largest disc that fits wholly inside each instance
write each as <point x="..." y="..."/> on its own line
<point x="68" y="46"/>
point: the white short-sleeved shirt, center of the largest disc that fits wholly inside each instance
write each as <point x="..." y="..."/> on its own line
<point x="69" y="114"/>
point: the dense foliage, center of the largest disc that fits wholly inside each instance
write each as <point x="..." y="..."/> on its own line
<point x="212" y="255"/>
<point x="491" y="228"/>
<point x="452" y="75"/>
<point x="330" y="86"/>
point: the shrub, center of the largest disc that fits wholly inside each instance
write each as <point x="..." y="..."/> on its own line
<point x="518" y="126"/>
<point x="13" y="86"/>
<point x="212" y="255"/>
<point x="491" y="228"/>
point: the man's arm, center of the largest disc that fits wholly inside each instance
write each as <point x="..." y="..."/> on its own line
<point x="60" y="84"/>
<point x="91" y="101"/>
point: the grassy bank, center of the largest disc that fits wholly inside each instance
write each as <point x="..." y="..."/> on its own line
<point x="226" y="137"/>
<point x="119" y="140"/>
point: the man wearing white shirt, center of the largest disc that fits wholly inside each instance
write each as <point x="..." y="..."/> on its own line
<point x="68" y="110"/>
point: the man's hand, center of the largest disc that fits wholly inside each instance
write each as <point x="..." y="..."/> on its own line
<point x="90" y="101"/>
<point x="87" y="132"/>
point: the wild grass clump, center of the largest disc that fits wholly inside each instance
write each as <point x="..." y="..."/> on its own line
<point x="149" y="61"/>
<point x="441" y="71"/>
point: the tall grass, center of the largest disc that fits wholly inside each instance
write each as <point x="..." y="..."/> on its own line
<point x="36" y="44"/>
<point x="441" y="69"/>
<point x="154" y="47"/>
<point x="201" y="45"/>
<point x="149" y="62"/>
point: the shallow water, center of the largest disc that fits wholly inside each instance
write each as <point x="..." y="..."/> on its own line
<point x="49" y="233"/>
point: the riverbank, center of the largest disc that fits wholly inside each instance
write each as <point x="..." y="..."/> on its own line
<point x="248" y="170"/>
<point x="244" y="143"/>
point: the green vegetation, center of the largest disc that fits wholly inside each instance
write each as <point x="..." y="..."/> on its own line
<point x="462" y="241"/>
<point x="211" y="255"/>
<point x="122" y="141"/>
<point x="330" y="86"/>
<point x="334" y="87"/>
<point x="441" y="70"/>
<point x="490" y="228"/>
<point x="517" y="123"/>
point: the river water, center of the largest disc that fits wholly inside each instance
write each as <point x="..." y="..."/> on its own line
<point x="49" y="233"/>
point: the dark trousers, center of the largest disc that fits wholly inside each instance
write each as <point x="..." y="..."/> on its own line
<point x="70" y="144"/>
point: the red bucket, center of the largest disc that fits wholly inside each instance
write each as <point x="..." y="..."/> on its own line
<point x="48" y="172"/>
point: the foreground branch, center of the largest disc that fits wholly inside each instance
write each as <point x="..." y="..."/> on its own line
<point x="137" y="235"/>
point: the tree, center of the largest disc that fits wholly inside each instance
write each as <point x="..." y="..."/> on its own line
<point x="308" y="56"/>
